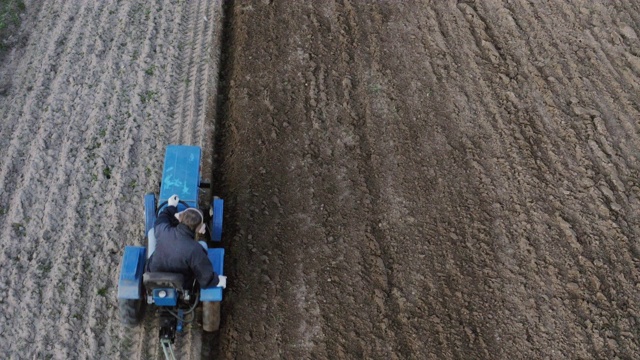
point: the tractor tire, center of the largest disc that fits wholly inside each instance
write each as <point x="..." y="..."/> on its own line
<point x="130" y="311"/>
<point x="210" y="316"/>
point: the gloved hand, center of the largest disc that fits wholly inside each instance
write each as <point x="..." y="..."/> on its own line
<point x="222" y="281"/>
<point x="173" y="201"/>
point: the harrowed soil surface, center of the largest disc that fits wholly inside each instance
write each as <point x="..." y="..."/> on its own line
<point x="431" y="180"/>
<point x="403" y="180"/>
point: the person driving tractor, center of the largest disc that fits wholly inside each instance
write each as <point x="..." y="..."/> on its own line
<point x="172" y="246"/>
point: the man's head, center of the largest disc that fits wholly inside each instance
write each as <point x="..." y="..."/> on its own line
<point x="193" y="218"/>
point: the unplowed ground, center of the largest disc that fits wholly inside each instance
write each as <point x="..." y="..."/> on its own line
<point x="404" y="180"/>
<point x="93" y="97"/>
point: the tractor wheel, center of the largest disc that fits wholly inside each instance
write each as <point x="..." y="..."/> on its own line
<point x="210" y="316"/>
<point x="130" y="311"/>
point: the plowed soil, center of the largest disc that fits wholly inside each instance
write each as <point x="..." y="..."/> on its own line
<point x="404" y="180"/>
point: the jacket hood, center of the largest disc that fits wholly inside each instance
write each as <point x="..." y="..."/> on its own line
<point x="184" y="230"/>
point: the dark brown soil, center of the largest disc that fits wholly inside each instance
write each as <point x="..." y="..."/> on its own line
<point x="432" y="180"/>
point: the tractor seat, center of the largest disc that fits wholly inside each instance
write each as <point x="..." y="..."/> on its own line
<point x="152" y="280"/>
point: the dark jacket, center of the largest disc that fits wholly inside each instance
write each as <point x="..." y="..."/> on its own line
<point x="178" y="252"/>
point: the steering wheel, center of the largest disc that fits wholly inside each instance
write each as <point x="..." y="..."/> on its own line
<point x="165" y="203"/>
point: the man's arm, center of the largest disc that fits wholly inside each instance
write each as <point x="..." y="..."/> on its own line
<point x="203" y="269"/>
<point x="166" y="219"/>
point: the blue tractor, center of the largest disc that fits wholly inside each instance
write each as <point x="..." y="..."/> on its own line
<point x="164" y="291"/>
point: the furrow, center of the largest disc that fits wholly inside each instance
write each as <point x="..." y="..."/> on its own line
<point x="28" y="114"/>
<point x="55" y="195"/>
<point x="23" y="73"/>
<point x="22" y="205"/>
<point x="69" y="148"/>
<point x="80" y="184"/>
<point x="377" y="265"/>
<point x="123" y="164"/>
<point x="71" y="254"/>
<point x="210" y="115"/>
<point x="95" y="134"/>
<point x="474" y="138"/>
<point x="629" y="9"/>
<point x="95" y="144"/>
<point x="339" y="340"/>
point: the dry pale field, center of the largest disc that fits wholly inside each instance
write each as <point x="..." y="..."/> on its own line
<point x="404" y="180"/>
<point x="95" y="93"/>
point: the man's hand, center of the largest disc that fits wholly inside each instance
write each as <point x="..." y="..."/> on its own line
<point x="222" y="281"/>
<point x="173" y="201"/>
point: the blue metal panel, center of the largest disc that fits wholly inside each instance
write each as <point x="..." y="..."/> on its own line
<point x="181" y="174"/>
<point x="216" y="255"/>
<point x="170" y="299"/>
<point x="131" y="269"/>
<point x="149" y="212"/>
<point x="216" y="219"/>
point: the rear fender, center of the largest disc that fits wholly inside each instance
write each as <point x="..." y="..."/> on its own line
<point x="131" y="270"/>
<point x="216" y="255"/>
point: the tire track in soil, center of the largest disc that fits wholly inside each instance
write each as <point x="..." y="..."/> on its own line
<point x="188" y="34"/>
<point x="146" y="338"/>
<point x="10" y="163"/>
<point x="192" y="98"/>
<point x="213" y="149"/>
<point x="142" y="341"/>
